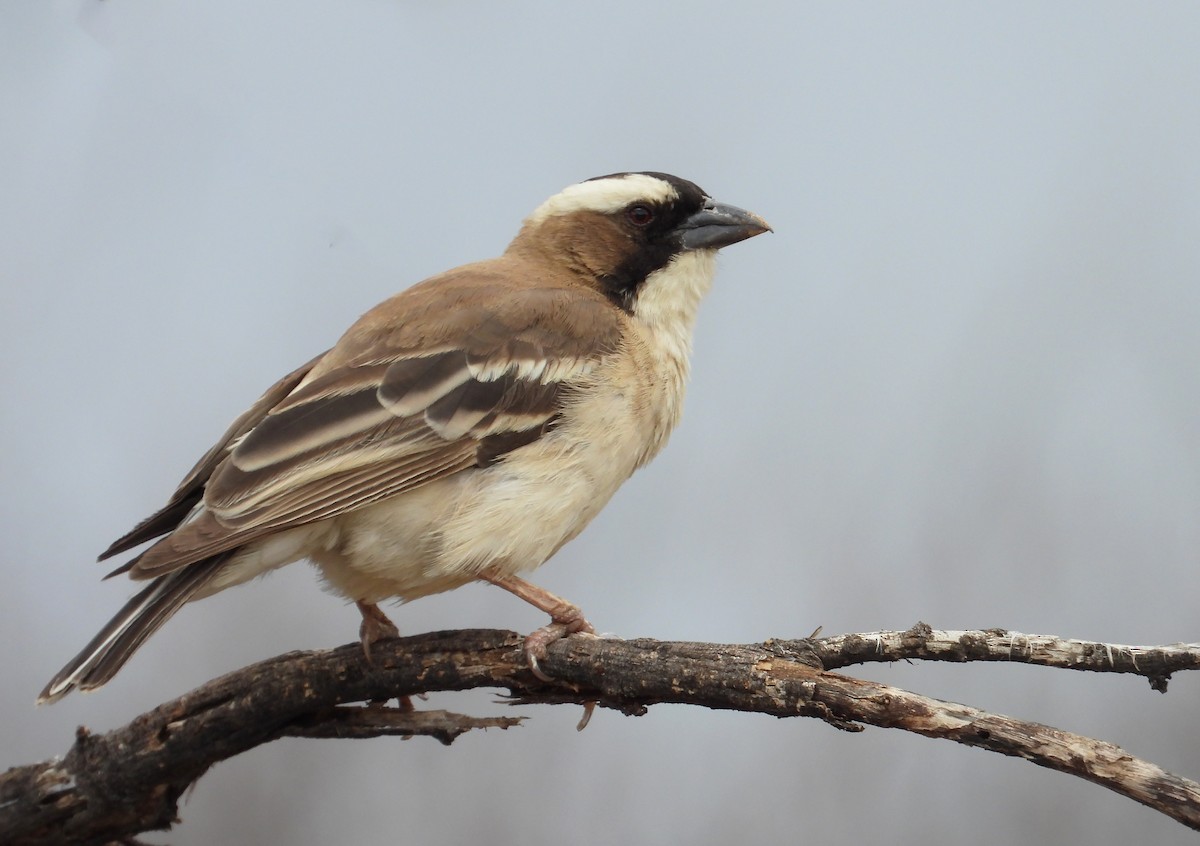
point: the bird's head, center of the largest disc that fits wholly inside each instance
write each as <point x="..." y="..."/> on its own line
<point x="646" y="240"/>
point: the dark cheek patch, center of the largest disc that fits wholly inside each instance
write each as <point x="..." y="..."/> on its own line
<point x="622" y="284"/>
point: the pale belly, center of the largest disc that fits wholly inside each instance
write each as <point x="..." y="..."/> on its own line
<point x="507" y="518"/>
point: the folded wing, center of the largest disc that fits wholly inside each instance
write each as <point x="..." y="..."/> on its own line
<point x="378" y="425"/>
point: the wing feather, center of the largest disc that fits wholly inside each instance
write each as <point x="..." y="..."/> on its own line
<point x="385" y="421"/>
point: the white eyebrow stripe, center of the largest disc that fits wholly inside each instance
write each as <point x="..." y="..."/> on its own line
<point x="606" y="196"/>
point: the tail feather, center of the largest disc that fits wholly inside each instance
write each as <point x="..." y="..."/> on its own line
<point x="141" y="617"/>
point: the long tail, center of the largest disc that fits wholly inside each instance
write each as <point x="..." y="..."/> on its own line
<point x="141" y="617"/>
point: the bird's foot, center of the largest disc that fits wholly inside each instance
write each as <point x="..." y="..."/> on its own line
<point x="375" y="627"/>
<point x="566" y="619"/>
<point x="571" y="621"/>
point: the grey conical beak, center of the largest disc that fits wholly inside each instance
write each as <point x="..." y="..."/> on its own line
<point x="718" y="225"/>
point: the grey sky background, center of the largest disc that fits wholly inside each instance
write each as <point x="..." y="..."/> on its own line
<point x="959" y="384"/>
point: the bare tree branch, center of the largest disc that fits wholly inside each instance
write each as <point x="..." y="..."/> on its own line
<point x="1156" y="663"/>
<point x="112" y="786"/>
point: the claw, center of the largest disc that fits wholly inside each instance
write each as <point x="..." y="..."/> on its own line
<point x="588" y="709"/>
<point x="565" y="619"/>
<point x="375" y="627"/>
<point x="536" y="668"/>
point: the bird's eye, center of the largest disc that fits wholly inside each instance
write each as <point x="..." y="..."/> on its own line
<point x="639" y="215"/>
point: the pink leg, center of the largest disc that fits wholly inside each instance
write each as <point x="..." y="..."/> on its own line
<point x="375" y="626"/>
<point x="565" y="618"/>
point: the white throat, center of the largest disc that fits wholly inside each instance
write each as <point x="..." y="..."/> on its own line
<point x="665" y="311"/>
<point x="668" y="300"/>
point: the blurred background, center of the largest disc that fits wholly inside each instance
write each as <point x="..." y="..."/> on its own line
<point x="959" y="384"/>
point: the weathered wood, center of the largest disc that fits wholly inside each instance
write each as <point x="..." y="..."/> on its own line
<point x="110" y="787"/>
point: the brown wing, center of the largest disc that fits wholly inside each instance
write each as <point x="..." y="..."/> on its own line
<point x="387" y="421"/>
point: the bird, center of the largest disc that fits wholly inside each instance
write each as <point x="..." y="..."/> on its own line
<point x="462" y="430"/>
